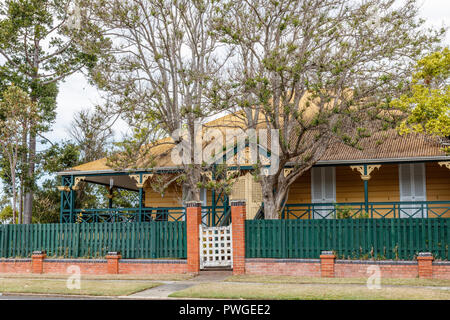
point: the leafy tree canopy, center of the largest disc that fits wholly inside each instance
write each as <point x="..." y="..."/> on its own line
<point x="429" y="98"/>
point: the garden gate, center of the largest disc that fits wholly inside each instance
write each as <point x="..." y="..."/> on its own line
<point x="216" y="247"/>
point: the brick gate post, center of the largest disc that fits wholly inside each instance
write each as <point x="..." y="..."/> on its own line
<point x="37" y="261"/>
<point x="193" y="220"/>
<point x="238" y="214"/>
<point x="112" y="262"/>
<point x="327" y="264"/>
<point x="425" y="265"/>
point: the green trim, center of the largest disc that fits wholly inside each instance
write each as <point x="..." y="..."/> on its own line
<point x="396" y="209"/>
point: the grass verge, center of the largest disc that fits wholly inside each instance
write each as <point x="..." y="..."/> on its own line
<point x="307" y="292"/>
<point x="311" y="280"/>
<point x="152" y="277"/>
<point x="91" y="288"/>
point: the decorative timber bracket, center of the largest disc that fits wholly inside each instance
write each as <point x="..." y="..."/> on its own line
<point x="137" y="177"/>
<point x="369" y="168"/>
<point x="77" y="182"/>
<point x="63" y="188"/>
<point x="445" y="163"/>
<point x="287" y="171"/>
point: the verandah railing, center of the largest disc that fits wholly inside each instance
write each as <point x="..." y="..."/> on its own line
<point x="399" y="209"/>
<point x="91" y="240"/>
<point x="349" y="238"/>
<point x="210" y="216"/>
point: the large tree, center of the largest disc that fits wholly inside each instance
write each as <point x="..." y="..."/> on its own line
<point x="318" y="72"/>
<point x="160" y="77"/>
<point x="17" y="114"/>
<point x="41" y="43"/>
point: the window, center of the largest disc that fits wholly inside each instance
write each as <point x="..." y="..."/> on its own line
<point x="412" y="189"/>
<point x="323" y="190"/>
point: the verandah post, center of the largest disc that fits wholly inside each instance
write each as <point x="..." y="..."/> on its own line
<point x="140" y="196"/>
<point x="193" y="221"/>
<point x="366" y="190"/>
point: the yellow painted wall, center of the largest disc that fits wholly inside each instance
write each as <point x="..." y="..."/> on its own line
<point x="438" y="186"/>
<point x="349" y="186"/>
<point x="384" y="184"/>
<point x="438" y="182"/>
<point x="300" y="191"/>
<point x="172" y="197"/>
<point x="383" y="187"/>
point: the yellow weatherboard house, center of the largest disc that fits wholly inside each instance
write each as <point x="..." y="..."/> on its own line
<point x="390" y="176"/>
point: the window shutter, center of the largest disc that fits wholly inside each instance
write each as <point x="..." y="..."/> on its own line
<point x="419" y="181"/>
<point x="316" y="185"/>
<point x="405" y="182"/>
<point x="329" y="189"/>
<point x="412" y="188"/>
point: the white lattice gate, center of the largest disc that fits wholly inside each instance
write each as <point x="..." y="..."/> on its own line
<point x="216" y="247"/>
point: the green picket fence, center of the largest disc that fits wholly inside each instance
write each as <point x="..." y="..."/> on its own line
<point x="349" y="238"/>
<point x="162" y="239"/>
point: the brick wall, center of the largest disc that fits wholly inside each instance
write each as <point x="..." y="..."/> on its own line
<point x="388" y="269"/>
<point x="342" y="268"/>
<point x="15" y="265"/>
<point x="152" y="266"/>
<point x="59" y="266"/>
<point x="441" y="270"/>
<point x="95" y="266"/>
<point x="283" y="267"/>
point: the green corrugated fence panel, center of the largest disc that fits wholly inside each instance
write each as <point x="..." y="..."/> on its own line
<point x="349" y="238"/>
<point x="162" y="239"/>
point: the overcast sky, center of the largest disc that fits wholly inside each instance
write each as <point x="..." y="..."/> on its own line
<point x="76" y="94"/>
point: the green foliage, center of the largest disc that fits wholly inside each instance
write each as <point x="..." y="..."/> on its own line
<point x="6" y="214"/>
<point x="429" y="98"/>
<point x="345" y="212"/>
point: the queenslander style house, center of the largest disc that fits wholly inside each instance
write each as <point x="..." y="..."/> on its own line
<point x="391" y="176"/>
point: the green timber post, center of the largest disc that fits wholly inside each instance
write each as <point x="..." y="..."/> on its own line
<point x="72" y="199"/>
<point x="66" y="199"/>
<point x="140" y="197"/>
<point x="366" y="190"/>
<point x="61" y="208"/>
<point x="110" y="198"/>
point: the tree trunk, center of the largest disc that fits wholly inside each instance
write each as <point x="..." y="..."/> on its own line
<point x="20" y="204"/>
<point x="28" y="205"/>
<point x="274" y="198"/>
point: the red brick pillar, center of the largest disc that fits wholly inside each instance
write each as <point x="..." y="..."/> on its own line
<point x="425" y="263"/>
<point x="327" y="264"/>
<point x="37" y="261"/>
<point x="112" y="264"/>
<point x="193" y="221"/>
<point x="238" y="214"/>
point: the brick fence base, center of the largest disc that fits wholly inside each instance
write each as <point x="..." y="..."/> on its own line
<point x="343" y="268"/>
<point x="260" y="266"/>
<point x="95" y="266"/>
